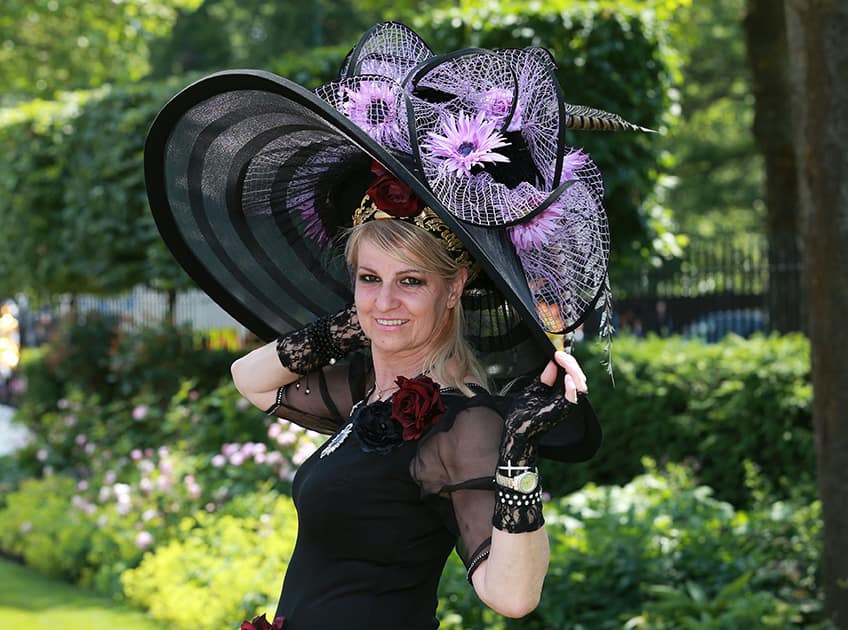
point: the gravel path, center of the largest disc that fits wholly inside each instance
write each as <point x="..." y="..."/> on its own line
<point x="12" y="436"/>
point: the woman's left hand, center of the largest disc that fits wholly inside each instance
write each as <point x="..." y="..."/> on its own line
<point x="574" y="379"/>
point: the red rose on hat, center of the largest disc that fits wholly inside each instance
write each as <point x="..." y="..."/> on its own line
<point x="391" y="195"/>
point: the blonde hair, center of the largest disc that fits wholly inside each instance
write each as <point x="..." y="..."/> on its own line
<point x="416" y="247"/>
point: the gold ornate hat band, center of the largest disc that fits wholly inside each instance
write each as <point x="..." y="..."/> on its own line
<point x="426" y="220"/>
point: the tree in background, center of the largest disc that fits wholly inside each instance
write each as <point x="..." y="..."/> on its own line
<point x="716" y="172"/>
<point x="51" y="45"/>
<point x="818" y="65"/>
<point x="768" y="58"/>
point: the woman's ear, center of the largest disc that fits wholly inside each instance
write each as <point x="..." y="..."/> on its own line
<point x="457" y="285"/>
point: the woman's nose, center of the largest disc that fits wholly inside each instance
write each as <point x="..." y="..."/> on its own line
<point x="386" y="297"/>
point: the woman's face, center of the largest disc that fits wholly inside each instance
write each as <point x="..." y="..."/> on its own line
<point x="402" y="309"/>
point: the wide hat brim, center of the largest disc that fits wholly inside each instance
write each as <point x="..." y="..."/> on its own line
<point x="261" y="267"/>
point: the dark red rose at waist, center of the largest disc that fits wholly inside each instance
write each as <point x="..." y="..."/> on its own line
<point x="391" y="195"/>
<point x="417" y="405"/>
<point x="260" y="623"/>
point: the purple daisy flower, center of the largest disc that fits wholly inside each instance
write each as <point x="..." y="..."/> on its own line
<point x="496" y="103"/>
<point x="373" y="108"/>
<point x="466" y="142"/>
<point x="573" y="162"/>
<point x="537" y="231"/>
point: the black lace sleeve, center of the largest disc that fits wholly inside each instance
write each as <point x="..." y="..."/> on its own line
<point x="322" y="400"/>
<point x="458" y="462"/>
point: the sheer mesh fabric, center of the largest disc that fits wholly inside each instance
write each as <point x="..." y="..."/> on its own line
<point x="322" y="400"/>
<point x="458" y="461"/>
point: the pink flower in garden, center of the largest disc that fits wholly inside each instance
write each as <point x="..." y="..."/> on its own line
<point x="80" y="439"/>
<point x="139" y="412"/>
<point x="26" y="527"/>
<point x="42" y="455"/>
<point x="163" y="451"/>
<point x="63" y="403"/>
<point x="149" y="514"/>
<point x="273" y="458"/>
<point x="287" y="438"/>
<point x="145" y="485"/>
<point x="259" y="458"/>
<point x="110" y="477"/>
<point x="105" y="494"/>
<point x="237" y="459"/>
<point x="466" y="142"/>
<point x="274" y="430"/>
<point x="210" y="507"/>
<point x="146" y="466"/>
<point x="229" y="449"/>
<point x="136" y="454"/>
<point x="219" y="460"/>
<point x="163" y="483"/>
<point x="148" y="452"/>
<point x="90" y="448"/>
<point x="18" y="385"/>
<point x="247" y="449"/>
<point x="143" y="540"/>
<point x="70" y="421"/>
<point x="166" y="467"/>
<point x="193" y="395"/>
<point x="242" y="403"/>
<point x="304" y="450"/>
<point x="82" y="486"/>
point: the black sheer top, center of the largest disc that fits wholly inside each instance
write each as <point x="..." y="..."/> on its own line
<point x="375" y="530"/>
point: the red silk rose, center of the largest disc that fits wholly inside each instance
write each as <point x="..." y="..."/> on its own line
<point x="391" y="195"/>
<point x="417" y="405"/>
<point x="260" y="623"/>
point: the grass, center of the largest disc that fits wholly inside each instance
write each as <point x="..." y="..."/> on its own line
<point x="30" y="600"/>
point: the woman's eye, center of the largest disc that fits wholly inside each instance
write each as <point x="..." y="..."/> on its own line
<point x="367" y="277"/>
<point x="413" y="282"/>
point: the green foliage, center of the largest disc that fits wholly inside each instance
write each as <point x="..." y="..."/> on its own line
<point x="253" y="33"/>
<point x="661" y="552"/>
<point x="222" y="569"/>
<point x="717" y="172"/>
<point x="27" y="595"/>
<point x="714" y="405"/>
<point x="49" y="45"/>
<point x="37" y="526"/>
<point x="73" y="196"/>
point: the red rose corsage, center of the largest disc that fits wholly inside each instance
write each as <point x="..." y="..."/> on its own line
<point x="261" y="623"/>
<point x="417" y="405"/>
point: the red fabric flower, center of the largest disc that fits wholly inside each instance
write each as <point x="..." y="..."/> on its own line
<point x="260" y="623"/>
<point x="417" y="405"/>
<point x="391" y="195"/>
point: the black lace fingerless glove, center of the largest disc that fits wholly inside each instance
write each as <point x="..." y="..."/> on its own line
<point x="322" y="342"/>
<point x="535" y="410"/>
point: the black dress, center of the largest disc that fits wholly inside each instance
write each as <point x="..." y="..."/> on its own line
<point x="375" y="529"/>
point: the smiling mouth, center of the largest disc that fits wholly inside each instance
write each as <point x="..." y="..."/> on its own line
<point x="391" y="322"/>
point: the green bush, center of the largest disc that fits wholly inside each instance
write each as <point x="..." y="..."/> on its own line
<point x="38" y="526"/>
<point x="222" y="569"/>
<point x="714" y="406"/>
<point x="661" y="552"/>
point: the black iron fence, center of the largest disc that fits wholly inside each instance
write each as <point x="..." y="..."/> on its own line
<point x="740" y="285"/>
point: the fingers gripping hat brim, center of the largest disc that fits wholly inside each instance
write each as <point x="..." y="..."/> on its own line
<point x="259" y="265"/>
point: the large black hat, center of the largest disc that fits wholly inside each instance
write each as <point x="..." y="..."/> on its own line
<point x="251" y="177"/>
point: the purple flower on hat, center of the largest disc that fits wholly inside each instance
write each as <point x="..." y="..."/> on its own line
<point x="466" y="142"/>
<point x="373" y="108"/>
<point x="537" y="231"/>
<point x="573" y="162"/>
<point x="540" y="230"/>
<point x="496" y="105"/>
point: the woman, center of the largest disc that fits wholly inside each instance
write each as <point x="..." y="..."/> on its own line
<point x="407" y="306"/>
<point x="474" y="237"/>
